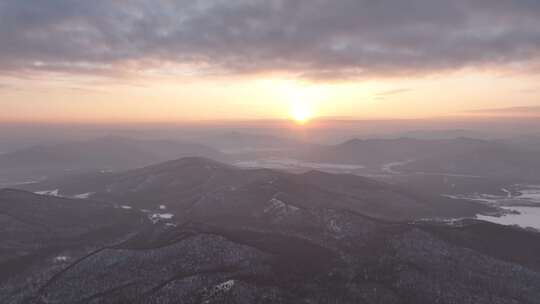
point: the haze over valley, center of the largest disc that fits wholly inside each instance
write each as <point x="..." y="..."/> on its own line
<point x="270" y="152"/>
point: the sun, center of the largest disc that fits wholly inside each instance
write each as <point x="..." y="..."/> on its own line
<point x="301" y="113"/>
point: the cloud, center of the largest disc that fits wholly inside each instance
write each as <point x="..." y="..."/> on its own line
<point x="511" y="111"/>
<point x="393" y="92"/>
<point x="9" y="87"/>
<point x="325" y="39"/>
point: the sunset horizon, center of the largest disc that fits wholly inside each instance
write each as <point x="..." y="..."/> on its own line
<point x="270" y="151"/>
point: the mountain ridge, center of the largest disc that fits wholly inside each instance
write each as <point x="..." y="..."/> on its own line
<point x="188" y="182"/>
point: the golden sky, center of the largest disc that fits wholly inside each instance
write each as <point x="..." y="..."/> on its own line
<point x="174" y="61"/>
<point x="174" y="99"/>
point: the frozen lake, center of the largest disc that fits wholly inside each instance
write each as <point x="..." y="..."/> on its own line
<point x="527" y="204"/>
<point x="528" y="217"/>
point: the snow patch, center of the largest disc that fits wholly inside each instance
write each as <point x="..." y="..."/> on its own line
<point x="61" y="258"/>
<point x="217" y="289"/>
<point x="49" y="192"/>
<point x="126" y="207"/>
<point x="83" y="195"/>
<point x="223" y="287"/>
<point x="508" y="193"/>
<point x="334" y="227"/>
<point x="484" y="198"/>
<point x="527" y="194"/>
<point x="158" y="217"/>
<point x="390" y="167"/>
<point x="531" y="193"/>
<point x="279" y="209"/>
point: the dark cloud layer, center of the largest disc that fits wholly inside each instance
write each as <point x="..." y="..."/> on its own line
<point x="313" y="38"/>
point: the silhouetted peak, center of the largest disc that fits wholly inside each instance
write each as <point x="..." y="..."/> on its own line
<point x="353" y="142"/>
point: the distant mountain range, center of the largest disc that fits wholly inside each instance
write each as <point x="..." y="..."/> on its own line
<point x="199" y="231"/>
<point x="377" y="152"/>
<point x="191" y="186"/>
<point x="241" y="142"/>
<point x="106" y="153"/>
<point x="460" y="156"/>
<point x="490" y="160"/>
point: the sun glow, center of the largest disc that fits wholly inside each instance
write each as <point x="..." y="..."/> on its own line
<point x="301" y="113"/>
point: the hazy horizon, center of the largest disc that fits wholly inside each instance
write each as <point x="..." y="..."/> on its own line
<point x="317" y="130"/>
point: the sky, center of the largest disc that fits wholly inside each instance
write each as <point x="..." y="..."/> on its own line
<point x="171" y="61"/>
